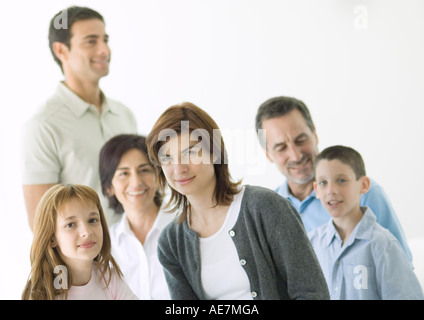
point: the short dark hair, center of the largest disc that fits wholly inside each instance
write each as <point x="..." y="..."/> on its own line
<point x="110" y="156"/>
<point x="63" y="34"/>
<point x="346" y="155"/>
<point x="280" y="106"/>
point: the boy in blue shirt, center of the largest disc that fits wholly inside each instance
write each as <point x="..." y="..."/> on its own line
<point x="360" y="259"/>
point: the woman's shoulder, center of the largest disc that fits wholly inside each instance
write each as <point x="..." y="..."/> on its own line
<point x="260" y="203"/>
<point x="175" y="232"/>
<point x="257" y="195"/>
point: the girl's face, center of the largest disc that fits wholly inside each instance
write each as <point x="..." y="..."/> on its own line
<point x="134" y="183"/>
<point x="188" y="166"/>
<point x="79" y="233"/>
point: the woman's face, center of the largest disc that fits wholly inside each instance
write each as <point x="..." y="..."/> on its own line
<point x="188" y="166"/>
<point x="134" y="183"/>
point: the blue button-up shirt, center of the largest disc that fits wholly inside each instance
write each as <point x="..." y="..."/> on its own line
<point x="370" y="265"/>
<point x="314" y="214"/>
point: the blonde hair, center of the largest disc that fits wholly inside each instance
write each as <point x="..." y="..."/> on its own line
<point x="44" y="258"/>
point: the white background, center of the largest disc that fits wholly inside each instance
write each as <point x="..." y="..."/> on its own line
<point x="358" y="65"/>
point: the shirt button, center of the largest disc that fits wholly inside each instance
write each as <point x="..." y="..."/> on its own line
<point x="254" y="294"/>
<point x="242" y="262"/>
<point x="232" y="233"/>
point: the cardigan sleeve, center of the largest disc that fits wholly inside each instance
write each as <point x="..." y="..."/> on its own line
<point x="175" y="275"/>
<point x="285" y="246"/>
<point x="294" y="255"/>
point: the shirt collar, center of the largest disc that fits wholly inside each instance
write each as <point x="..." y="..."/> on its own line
<point x="123" y="227"/>
<point x="331" y="233"/>
<point x="284" y="191"/>
<point x="363" y="230"/>
<point x="77" y="105"/>
<point x="161" y="221"/>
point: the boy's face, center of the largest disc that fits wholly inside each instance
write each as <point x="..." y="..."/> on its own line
<point x="337" y="187"/>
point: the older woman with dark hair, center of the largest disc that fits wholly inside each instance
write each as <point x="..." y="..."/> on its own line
<point x="231" y="241"/>
<point x="131" y="185"/>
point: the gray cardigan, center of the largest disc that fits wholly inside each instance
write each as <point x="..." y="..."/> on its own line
<point x="272" y="246"/>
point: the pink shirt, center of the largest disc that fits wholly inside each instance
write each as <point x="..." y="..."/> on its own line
<point x="96" y="289"/>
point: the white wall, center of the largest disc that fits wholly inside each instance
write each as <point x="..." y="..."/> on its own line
<point x="357" y="65"/>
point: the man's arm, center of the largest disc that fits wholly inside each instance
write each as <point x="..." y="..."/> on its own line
<point x="377" y="199"/>
<point x="32" y="196"/>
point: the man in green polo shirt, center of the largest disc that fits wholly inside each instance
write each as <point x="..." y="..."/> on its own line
<point x="62" y="141"/>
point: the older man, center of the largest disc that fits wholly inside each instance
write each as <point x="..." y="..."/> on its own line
<point x="292" y="144"/>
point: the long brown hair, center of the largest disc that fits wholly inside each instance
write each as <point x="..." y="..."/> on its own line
<point x="197" y="118"/>
<point x="45" y="258"/>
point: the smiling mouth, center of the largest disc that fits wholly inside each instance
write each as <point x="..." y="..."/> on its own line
<point x="299" y="165"/>
<point x="102" y="61"/>
<point x="87" y="245"/>
<point x="184" y="181"/>
<point x="137" y="193"/>
<point x="334" y="203"/>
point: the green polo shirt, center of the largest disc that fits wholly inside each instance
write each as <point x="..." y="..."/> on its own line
<point x="62" y="141"/>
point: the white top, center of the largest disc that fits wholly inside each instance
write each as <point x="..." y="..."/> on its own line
<point x="96" y="289"/>
<point x="222" y="274"/>
<point x="62" y="141"/>
<point x="139" y="263"/>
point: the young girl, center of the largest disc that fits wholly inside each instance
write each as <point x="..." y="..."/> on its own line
<point x="231" y="241"/>
<point x="70" y="253"/>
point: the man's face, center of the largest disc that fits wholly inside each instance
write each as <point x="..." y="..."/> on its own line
<point x="89" y="55"/>
<point x="292" y="145"/>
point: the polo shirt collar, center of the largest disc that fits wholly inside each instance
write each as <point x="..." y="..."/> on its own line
<point x="77" y="105"/>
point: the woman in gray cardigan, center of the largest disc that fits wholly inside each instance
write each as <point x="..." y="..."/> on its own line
<point x="230" y="241"/>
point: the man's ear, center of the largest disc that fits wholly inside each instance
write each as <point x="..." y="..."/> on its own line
<point x="365" y="184"/>
<point x="316" y="190"/>
<point x="269" y="156"/>
<point x="60" y="50"/>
